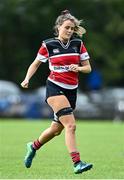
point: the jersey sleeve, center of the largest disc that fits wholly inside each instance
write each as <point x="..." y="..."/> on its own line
<point x="42" y="54"/>
<point x="83" y="53"/>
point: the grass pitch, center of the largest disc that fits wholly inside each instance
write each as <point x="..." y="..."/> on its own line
<point x="99" y="142"/>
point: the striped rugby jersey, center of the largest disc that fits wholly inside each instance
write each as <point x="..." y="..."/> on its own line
<point x="60" y="56"/>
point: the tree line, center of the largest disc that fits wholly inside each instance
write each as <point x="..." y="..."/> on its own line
<point x="25" y="23"/>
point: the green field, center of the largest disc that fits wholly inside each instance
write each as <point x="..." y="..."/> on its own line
<point x="100" y="143"/>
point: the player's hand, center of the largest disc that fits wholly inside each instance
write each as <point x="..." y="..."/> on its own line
<point x="25" y="83"/>
<point x="74" y="67"/>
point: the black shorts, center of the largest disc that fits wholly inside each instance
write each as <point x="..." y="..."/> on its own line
<point x="54" y="90"/>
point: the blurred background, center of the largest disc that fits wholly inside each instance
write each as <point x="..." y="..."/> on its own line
<point x="24" y="24"/>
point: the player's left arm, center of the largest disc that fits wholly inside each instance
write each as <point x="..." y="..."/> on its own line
<point x="85" y="66"/>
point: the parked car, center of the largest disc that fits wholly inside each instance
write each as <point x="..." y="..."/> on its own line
<point x="35" y="105"/>
<point x="85" y="108"/>
<point x="10" y="99"/>
<point x="113" y="102"/>
<point x="110" y="101"/>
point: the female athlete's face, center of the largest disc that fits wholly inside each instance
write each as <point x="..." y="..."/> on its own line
<point x="66" y="30"/>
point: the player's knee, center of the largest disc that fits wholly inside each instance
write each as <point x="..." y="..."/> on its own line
<point x="71" y="127"/>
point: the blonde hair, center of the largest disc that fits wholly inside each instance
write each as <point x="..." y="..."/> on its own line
<point x="65" y="15"/>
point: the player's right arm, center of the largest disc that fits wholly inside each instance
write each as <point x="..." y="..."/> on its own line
<point x="31" y="71"/>
<point x="42" y="57"/>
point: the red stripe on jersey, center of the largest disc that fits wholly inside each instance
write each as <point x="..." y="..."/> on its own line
<point x="70" y="78"/>
<point x="64" y="60"/>
<point x="83" y="49"/>
<point x="43" y="51"/>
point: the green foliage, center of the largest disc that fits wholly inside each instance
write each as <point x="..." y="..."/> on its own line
<point x="25" y="23"/>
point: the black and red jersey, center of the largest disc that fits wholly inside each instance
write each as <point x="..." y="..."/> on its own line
<point x="60" y="56"/>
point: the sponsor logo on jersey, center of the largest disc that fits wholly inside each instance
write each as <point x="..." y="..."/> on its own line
<point x="61" y="68"/>
<point x="55" y="51"/>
